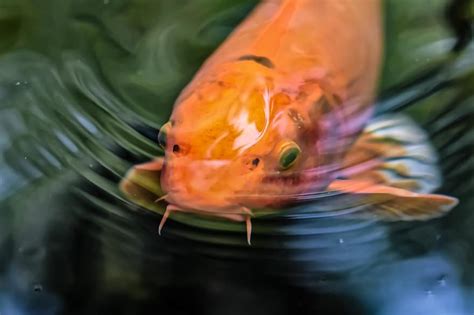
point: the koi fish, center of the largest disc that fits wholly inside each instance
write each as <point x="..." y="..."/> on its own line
<point x="283" y="110"/>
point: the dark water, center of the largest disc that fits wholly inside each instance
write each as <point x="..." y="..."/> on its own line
<point x="84" y="86"/>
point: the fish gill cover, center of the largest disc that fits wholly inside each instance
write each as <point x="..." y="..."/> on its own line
<point x="85" y="86"/>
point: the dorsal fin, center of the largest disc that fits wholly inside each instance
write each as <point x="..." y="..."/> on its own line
<point x="270" y="38"/>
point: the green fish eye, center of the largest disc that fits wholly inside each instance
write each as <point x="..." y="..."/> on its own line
<point x="289" y="154"/>
<point x="162" y="135"/>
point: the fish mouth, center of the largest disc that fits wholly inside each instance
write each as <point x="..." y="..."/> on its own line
<point x="172" y="198"/>
<point x="239" y="214"/>
<point x="294" y="179"/>
<point x="233" y="214"/>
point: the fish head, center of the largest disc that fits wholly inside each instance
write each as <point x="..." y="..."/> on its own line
<point x="240" y="140"/>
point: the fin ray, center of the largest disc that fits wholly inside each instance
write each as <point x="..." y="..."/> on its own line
<point x="392" y="169"/>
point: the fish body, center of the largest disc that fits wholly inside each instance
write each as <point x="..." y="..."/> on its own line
<point x="275" y="114"/>
<point x="284" y="77"/>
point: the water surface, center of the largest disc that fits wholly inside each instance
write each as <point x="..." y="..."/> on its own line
<point x="84" y="87"/>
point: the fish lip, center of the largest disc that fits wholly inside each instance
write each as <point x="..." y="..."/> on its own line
<point x="189" y="207"/>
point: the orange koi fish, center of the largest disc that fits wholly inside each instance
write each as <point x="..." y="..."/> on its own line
<point x="278" y="113"/>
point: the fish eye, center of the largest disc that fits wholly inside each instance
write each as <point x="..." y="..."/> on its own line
<point x="289" y="153"/>
<point x="163" y="134"/>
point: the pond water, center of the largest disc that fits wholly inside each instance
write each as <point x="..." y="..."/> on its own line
<point x="85" y="86"/>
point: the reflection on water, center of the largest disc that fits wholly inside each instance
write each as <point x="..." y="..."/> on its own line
<point x="84" y="86"/>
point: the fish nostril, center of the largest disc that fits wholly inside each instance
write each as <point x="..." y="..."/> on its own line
<point x="255" y="162"/>
<point x="180" y="149"/>
<point x="252" y="164"/>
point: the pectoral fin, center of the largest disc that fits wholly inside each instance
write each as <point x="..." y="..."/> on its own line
<point x="394" y="151"/>
<point x="391" y="171"/>
<point x="395" y="204"/>
<point x="141" y="184"/>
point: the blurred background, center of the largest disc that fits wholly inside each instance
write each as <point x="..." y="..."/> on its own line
<point x="84" y="87"/>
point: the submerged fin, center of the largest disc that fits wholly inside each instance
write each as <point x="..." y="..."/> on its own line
<point x="394" y="204"/>
<point x="394" y="151"/>
<point x="393" y="168"/>
<point x="141" y="184"/>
